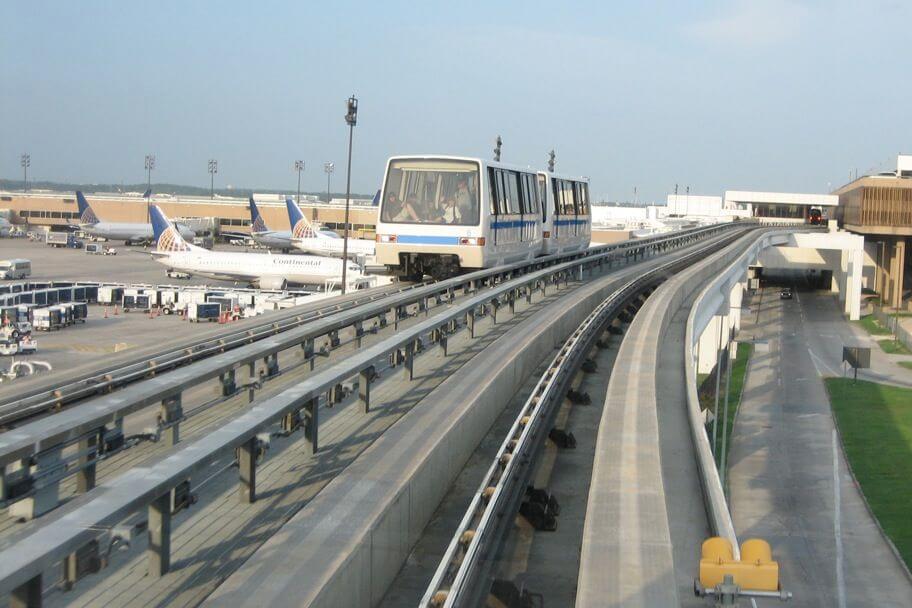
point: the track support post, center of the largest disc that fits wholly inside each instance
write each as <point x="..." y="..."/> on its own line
<point x="312" y="423"/>
<point x="159" y="550"/>
<point x="171" y="414"/>
<point x="247" y="454"/>
<point x="364" y="385"/>
<point x="88" y="451"/>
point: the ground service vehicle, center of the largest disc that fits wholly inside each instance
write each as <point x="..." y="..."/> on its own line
<point x="17" y="268"/>
<point x="442" y="215"/>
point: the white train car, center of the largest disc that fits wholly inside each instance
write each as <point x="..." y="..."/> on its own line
<point x="441" y="215"/>
<point x="567" y="221"/>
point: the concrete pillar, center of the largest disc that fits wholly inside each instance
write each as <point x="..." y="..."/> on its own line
<point x="247" y="470"/>
<point x="736" y="301"/>
<point x="229" y="383"/>
<point x="897" y="268"/>
<point x="27" y="595"/>
<point x="364" y="388"/>
<point x="85" y="476"/>
<point x="853" y="280"/>
<point x="46" y="492"/>
<point x="171" y="413"/>
<point x="312" y="424"/>
<point x="159" y="550"/>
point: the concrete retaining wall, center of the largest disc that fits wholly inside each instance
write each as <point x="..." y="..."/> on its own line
<point x="347" y="545"/>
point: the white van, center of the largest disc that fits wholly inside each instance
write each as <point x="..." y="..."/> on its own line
<point x="15" y="269"/>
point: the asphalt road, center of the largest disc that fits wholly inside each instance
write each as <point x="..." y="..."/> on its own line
<point x="788" y="479"/>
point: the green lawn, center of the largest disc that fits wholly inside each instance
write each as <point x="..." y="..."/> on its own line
<point x="875" y="423"/>
<point x="892" y="347"/>
<point x="906" y="364"/>
<point x="739" y="372"/>
<point x="873" y="326"/>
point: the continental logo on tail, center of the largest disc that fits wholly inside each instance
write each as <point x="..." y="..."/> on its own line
<point x="171" y="241"/>
<point x="86" y="215"/>
<point x="167" y="238"/>
<point x="258" y="225"/>
<point x="300" y="227"/>
<point x="303" y="230"/>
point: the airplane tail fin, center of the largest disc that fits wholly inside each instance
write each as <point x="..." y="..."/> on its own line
<point x="86" y="215"/>
<point x="165" y="236"/>
<point x="301" y="228"/>
<point x="376" y="201"/>
<point x="257" y="223"/>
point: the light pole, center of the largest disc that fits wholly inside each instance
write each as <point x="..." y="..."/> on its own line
<point x="352" y="119"/>
<point x="213" y="169"/>
<point x="328" y="167"/>
<point x="299" y="167"/>
<point x="150" y="164"/>
<point x="687" y="203"/>
<point x="498" y="144"/>
<point x="26" y="161"/>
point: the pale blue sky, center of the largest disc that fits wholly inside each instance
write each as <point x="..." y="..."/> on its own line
<point x="719" y="95"/>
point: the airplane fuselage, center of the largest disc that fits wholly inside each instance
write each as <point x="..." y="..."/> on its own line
<point x="333" y="247"/>
<point x="117" y="231"/>
<point x="273" y="239"/>
<point x="264" y="269"/>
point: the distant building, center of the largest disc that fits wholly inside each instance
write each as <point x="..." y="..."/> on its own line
<point x="880" y="208"/>
<point x="58" y="209"/>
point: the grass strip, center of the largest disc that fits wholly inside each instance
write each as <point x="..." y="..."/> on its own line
<point x="875" y="424"/>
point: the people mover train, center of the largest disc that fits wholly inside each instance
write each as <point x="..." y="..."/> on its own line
<point x="441" y="215"/>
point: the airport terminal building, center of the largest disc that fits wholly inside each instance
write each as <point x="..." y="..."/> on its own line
<point x="879" y="207"/>
<point x="221" y="214"/>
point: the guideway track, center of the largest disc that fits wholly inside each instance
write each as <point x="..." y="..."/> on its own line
<point x="105" y="413"/>
<point x="462" y="579"/>
<point x="43" y="545"/>
<point x="53" y="395"/>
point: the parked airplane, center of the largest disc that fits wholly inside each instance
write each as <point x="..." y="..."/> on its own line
<point x="307" y="238"/>
<point x="267" y="270"/>
<point x="128" y="232"/>
<point x="262" y="235"/>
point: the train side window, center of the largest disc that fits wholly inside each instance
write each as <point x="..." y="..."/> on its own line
<point x="495" y="195"/>
<point x="534" y="203"/>
<point x="511" y="192"/>
<point x="584" y="192"/>
<point x="526" y="193"/>
<point x="541" y="196"/>
<point x="569" y="198"/>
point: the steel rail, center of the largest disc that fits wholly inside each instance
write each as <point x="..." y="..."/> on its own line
<point x="456" y="582"/>
<point x="105" y="380"/>
<point x="104" y="383"/>
<point x="40" y="545"/>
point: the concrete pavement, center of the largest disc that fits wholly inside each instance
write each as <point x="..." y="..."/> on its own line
<point x="788" y="479"/>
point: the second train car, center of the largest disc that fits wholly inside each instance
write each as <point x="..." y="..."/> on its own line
<point x="442" y="215"/>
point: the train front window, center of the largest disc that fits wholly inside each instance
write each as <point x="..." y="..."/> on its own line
<point x="425" y="191"/>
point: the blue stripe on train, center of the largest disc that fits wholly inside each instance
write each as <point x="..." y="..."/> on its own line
<point x="424" y="239"/>
<point x="513" y="224"/>
<point x="570" y="222"/>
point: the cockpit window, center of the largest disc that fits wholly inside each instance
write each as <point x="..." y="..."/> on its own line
<point x="424" y="191"/>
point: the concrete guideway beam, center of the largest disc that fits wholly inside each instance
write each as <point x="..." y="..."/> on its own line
<point x="346" y="546"/>
<point x="70" y="424"/>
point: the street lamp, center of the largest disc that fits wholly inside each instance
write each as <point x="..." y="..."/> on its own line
<point x="150" y="164"/>
<point x="329" y="168"/>
<point x="26" y="161"/>
<point x="213" y="169"/>
<point x="299" y="167"/>
<point x="498" y="144"/>
<point x="351" y="118"/>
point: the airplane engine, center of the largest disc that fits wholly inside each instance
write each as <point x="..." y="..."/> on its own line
<point x="272" y="283"/>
